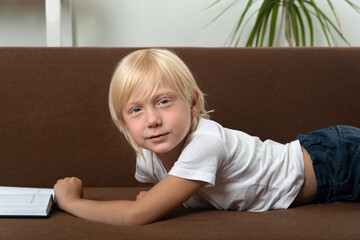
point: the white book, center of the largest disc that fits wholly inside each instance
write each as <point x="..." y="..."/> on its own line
<point x="26" y="202"/>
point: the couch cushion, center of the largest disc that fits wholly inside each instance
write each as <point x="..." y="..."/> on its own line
<point x="333" y="221"/>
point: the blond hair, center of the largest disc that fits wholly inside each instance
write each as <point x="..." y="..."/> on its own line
<point x="147" y="70"/>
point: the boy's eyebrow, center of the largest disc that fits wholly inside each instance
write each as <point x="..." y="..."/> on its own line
<point x="154" y="97"/>
<point x="167" y="94"/>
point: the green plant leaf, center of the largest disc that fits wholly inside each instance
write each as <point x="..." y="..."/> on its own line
<point x="308" y="17"/>
<point x="267" y="7"/>
<point x="294" y="13"/>
<point x="302" y="27"/>
<point x="273" y="23"/>
<point x="255" y="29"/>
<point x="222" y="12"/>
<point x="236" y="30"/>
<point x="328" y="21"/>
<point x="333" y="10"/>
<point x="294" y="23"/>
<point x="318" y="16"/>
<point x="356" y="8"/>
<point x="213" y="4"/>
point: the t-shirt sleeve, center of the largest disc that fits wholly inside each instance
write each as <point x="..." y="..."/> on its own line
<point x="200" y="159"/>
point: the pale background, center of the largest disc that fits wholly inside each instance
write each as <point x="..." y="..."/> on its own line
<point x="144" y="23"/>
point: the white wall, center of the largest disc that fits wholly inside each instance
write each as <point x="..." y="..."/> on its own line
<point x="22" y="23"/>
<point x="123" y="23"/>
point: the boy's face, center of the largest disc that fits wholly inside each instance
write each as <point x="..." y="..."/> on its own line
<point x="160" y="123"/>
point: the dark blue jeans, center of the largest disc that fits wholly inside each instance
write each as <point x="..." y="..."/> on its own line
<point x="335" y="153"/>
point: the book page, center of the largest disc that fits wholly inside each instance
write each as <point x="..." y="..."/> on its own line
<point x="25" y="190"/>
<point x="25" y="204"/>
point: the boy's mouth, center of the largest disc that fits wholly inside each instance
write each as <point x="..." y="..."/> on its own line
<point x="158" y="137"/>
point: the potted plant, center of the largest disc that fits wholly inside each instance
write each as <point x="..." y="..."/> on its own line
<point x="298" y="16"/>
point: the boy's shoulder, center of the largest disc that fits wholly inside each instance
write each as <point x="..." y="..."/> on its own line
<point x="208" y="126"/>
<point x="207" y="131"/>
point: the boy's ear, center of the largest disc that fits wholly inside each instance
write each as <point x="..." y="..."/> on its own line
<point x="195" y="101"/>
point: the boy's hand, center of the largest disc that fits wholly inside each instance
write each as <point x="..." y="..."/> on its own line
<point x="68" y="189"/>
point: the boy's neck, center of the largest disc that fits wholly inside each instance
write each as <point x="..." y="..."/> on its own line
<point x="168" y="159"/>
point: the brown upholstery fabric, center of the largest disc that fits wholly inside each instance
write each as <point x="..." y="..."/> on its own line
<point x="54" y="122"/>
<point x="316" y="221"/>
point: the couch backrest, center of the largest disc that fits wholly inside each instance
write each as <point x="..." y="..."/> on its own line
<point x="54" y="118"/>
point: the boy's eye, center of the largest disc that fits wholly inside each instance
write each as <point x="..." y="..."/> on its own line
<point x="135" y="110"/>
<point x="164" y="101"/>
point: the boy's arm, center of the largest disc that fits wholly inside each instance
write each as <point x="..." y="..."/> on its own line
<point x="165" y="196"/>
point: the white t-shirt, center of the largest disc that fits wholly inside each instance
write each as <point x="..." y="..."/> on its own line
<point x="241" y="172"/>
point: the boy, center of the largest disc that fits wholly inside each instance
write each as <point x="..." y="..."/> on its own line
<point x="156" y="103"/>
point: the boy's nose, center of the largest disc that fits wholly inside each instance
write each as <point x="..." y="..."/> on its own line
<point x="153" y="118"/>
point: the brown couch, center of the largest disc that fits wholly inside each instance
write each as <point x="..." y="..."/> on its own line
<point x="54" y="122"/>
